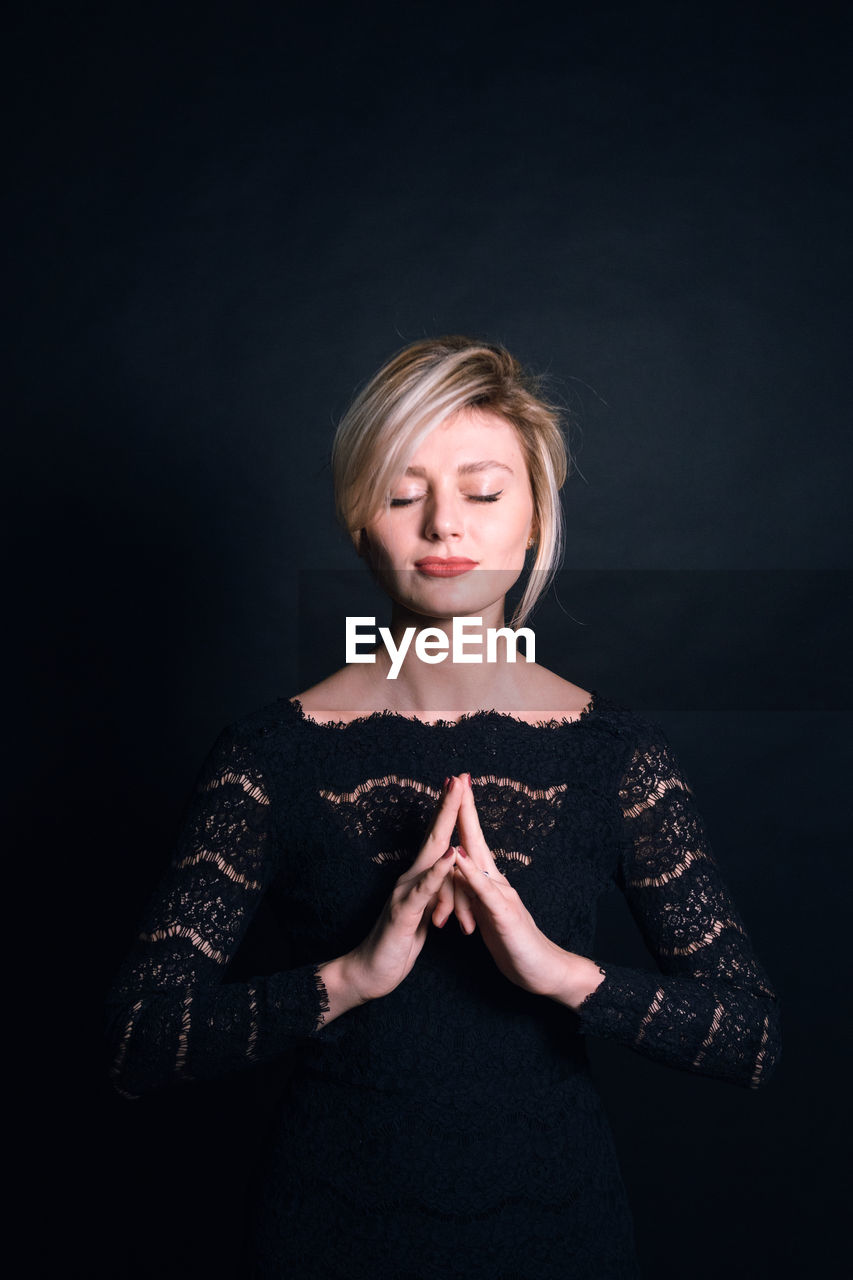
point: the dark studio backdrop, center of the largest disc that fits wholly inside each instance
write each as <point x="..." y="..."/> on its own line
<point x="226" y="219"/>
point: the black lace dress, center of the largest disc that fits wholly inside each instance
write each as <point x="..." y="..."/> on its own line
<point x="452" y="1127"/>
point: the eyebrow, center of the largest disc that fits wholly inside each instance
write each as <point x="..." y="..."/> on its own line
<point x="465" y="468"/>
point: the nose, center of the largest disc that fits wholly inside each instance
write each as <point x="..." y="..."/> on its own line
<point x="443" y="518"/>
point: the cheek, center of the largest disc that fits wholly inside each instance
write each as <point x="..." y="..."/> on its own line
<point x="389" y="538"/>
<point x="511" y="526"/>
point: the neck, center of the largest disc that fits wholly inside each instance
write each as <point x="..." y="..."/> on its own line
<point x="450" y="687"/>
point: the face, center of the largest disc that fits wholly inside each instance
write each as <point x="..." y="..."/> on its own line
<point x="465" y="497"/>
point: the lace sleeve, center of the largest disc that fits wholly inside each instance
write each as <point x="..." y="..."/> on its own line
<point x="169" y="1014"/>
<point x="711" y="1008"/>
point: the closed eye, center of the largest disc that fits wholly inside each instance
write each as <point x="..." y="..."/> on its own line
<point x="472" y="497"/>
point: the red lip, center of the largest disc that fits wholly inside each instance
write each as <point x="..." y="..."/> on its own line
<point x="439" y="567"/>
<point x="455" y="561"/>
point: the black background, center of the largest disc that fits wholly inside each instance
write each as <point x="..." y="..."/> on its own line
<point x="223" y="219"/>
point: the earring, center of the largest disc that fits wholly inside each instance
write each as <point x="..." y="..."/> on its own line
<point x="531" y="542"/>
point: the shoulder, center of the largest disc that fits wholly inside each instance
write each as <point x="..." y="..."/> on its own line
<point x="649" y="763"/>
<point x="566" y="699"/>
<point x="267" y="726"/>
<point x="637" y="733"/>
<point x="342" y="696"/>
<point x="553" y="696"/>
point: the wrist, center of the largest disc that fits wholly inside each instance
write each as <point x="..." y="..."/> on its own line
<point x="340" y="980"/>
<point x="576" y="978"/>
<point x="351" y="975"/>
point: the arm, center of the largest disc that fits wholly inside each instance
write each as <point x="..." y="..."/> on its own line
<point x="711" y="1008"/>
<point x="170" y="1014"/>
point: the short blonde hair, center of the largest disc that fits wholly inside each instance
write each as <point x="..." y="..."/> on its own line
<point x="410" y="395"/>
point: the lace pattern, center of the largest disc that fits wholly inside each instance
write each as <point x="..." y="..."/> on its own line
<point x="318" y="820"/>
<point x="710" y="1007"/>
<point x="507" y="808"/>
<point x="170" y="1014"/>
<point x="714" y="1010"/>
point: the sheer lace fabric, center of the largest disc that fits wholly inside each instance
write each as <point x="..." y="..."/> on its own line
<point x="714" y="1012"/>
<point x="488" y="1144"/>
<point x="171" y="1016"/>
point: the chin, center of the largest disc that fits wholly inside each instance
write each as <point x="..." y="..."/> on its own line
<point x="445" y="604"/>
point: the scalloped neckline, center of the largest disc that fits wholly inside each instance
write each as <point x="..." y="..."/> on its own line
<point x="468" y="717"/>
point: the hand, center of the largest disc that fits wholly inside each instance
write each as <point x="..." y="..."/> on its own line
<point x="383" y="960"/>
<point x="521" y="951"/>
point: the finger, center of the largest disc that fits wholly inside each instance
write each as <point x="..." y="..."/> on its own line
<point x="443" y="909"/>
<point x="441" y="830"/>
<point x="470" y="833"/>
<point x="462" y="904"/>
<point x="414" y="895"/>
<point x="481" y="884"/>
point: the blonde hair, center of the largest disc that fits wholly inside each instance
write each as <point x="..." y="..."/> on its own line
<point x="410" y="395"/>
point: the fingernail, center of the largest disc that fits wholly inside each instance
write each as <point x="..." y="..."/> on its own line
<point x="461" y="851"/>
<point x="449" y="853"/>
<point x="467" y="778"/>
<point x="446" y="781"/>
<point x="444" y="922"/>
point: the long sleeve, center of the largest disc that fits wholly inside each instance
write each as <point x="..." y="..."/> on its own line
<point x="170" y="1016"/>
<point x="711" y="1008"/>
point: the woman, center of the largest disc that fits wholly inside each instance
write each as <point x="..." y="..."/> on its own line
<point x="434" y="845"/>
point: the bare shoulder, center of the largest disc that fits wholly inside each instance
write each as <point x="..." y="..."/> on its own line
<point x="557" y="697"/>
<point x="341" y="696"/>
